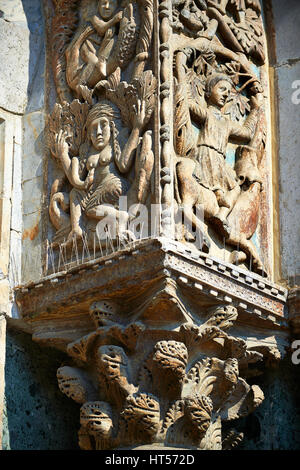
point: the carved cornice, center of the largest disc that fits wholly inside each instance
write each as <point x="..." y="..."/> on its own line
<point x="145" y="276"/>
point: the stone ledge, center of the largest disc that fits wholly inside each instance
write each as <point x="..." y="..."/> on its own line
<point x="154" y="281"/>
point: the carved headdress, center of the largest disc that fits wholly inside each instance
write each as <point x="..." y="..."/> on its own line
<point x="103" y="108"/>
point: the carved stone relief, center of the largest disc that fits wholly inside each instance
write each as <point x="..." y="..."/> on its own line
<point x="159" y="103"/>
<point x="201" y="156"/>
<point x="159" y="345"/>
<point x="98" y="132"/>
<point x="137" y="388"/>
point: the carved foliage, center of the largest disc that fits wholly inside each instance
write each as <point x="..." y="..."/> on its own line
<point x="85" y="134"/>
<point x="167" y="391"/>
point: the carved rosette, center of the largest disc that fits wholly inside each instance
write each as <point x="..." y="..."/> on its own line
<point x="174" y="391"/>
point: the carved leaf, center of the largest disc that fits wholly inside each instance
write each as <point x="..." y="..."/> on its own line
<point x="232" y="440"/>
<point x="127" y="336"/>
<point x="73" y="383"/>
<point x="113" y="374"/>
<point x="213" y="437"/>
<point x="222" y="317"/>
<point x="141" y="414"/>
<point x="146" y="28"/>
<point x="249" y="34"/>
<point x="69" y="118"/>
<point x="201" y="377"/>
<point x="175" y="412"/>
<point x="129" y="97"/>
<point x="236" y="107"/>
<point x="97" y="418"/>
<point x="80" y="348"/>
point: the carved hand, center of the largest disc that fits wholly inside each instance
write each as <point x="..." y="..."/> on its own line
<point x="61" y="145"/>
<point x="140" y="114"/>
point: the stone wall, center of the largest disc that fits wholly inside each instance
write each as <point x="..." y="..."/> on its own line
<point x="285" y="60"/>
<point x="37" y="415"/>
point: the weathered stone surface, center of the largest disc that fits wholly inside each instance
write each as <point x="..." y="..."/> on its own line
<point x="289" y="168"/>
<point x="286" y="21"/>
<point x="2" y="364"/>
<point x="21" y="35"/>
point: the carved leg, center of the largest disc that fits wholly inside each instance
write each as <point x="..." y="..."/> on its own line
<point x="75" y="209"/>
<point x="227" y="203"/>
<point x="111" y="220"/>
<point x="190" y="195"/>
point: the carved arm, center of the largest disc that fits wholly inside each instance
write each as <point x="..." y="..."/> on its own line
<point x="102" y="26"/>
<point x="70" y="166"/>
<point x="126" y="158"/>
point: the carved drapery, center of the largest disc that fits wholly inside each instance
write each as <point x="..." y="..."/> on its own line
<point x="161" y="104"/>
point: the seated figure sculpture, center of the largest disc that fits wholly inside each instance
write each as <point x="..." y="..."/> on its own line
<point x="97" y="195"/>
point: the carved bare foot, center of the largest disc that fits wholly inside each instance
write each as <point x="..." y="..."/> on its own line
<point x="222" y="225"/>
<point x="126" y="237"/>
<point x="74" y="234"/>
<point x="237" y="257"/>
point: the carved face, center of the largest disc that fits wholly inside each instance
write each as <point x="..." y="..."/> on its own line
<point x="97" y="418"/>
<point x="107" y="8"/>
<point x="100" y="132"/>
<point x="220" y="93"/>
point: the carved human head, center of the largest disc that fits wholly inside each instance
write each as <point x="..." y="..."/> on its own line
<point x="100" y="124"/>
<point x="217" y="90"/>
<point x="107" y="8"/>
<point x="96" y="417"/>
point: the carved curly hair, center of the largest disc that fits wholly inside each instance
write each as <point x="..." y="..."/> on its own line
<point x="212" y="82"/>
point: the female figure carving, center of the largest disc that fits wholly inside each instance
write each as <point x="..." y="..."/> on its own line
<point x="97" y="190"/>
